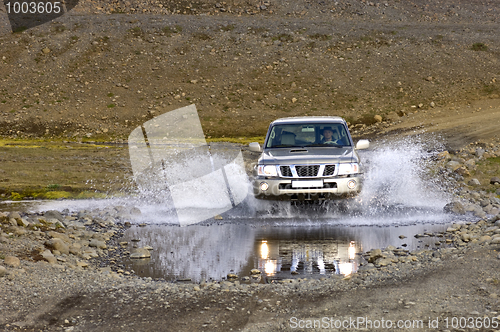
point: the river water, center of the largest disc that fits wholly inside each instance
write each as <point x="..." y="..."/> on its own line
<point x="285" y="240"/>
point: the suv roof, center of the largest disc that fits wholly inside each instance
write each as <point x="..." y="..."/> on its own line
<point x="309" y="119"/>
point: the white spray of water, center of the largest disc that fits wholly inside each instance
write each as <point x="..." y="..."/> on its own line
<point x="398" y="174"/>
<point x="397" y="191"/>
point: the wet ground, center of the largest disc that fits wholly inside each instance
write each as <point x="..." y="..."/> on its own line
<point x="399" y="206"/>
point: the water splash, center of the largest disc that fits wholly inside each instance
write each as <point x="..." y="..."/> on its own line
<point x="397" y="174"/>
<point x="398" y="190"/>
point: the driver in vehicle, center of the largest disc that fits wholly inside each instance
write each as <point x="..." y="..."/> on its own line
<point x="329" y="136"/>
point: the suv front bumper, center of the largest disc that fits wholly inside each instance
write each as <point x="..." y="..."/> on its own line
<point x="284" y="189"/>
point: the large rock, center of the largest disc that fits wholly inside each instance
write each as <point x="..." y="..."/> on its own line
<point x="495" y="180"/>
<point x="452" y="165"/>
<point x="12" y="261"/>
<point x="140" y="253"/>
<point x="383" y="261"/>
<point x="23" y="222"/>
<point x="474" y="182"/>
<point x="88" y="253"/>
<point x="3" y="271"/>
<point x="53" y="214"/>
<point x="57" y="244"/>
<point x="462" y="170"/>
<point x="374" y="255"/>
<point x="454" y="207"/>
<point x="495" y="240"/>
<point x="75" y="248"/>
<point x="61" y="236"/>
<point x="444" y="155"/>
<point x="135" y="211"/>
<point x="14" y="215"/>
<point x="4" y="217"/>
<point x="97" y="244"/>
<point x="471" y="164"/>
<point x="47" y="255"/>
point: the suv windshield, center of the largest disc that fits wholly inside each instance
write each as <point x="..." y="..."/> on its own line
<point x="302" y="135"/>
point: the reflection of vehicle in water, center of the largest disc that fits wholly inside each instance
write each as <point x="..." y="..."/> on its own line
<point x="311" y="257"/>
<point x="308" y="158"/>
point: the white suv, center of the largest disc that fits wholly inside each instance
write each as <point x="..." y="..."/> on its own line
<point x="308" y="158"/>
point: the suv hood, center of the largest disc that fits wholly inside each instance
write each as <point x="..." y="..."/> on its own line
<point x="309" y="155"/>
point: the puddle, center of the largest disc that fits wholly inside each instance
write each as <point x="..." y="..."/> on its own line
<point x="278" y="250"/>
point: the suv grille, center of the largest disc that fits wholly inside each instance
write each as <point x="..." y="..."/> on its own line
<point x="307" y="171"/>
<point x="329" y="170"/>
<point x="286" y="171"/>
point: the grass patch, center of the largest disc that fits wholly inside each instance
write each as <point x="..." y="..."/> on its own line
<point x="490" y="89"/>
<point x="486" y="169"/>
<point x="479" y="47"/>
<point x="44" y="193"/>
<point x="136" y="31"/>
<point x="19" y="29"/>
<point x="311" y="45"/>
<point x="59" y="28"/>
<point x="320" y="36"/>
<point x="53" y="186"/>
<point x="238" y="140"/>
<point x="15" y="196"/>
<point x="90" y="194"/>
<point x="284" y="37"/>
<point x="168" y="30"/>
<point x="55" y="195"/>
<point x="201" y="36"/>
<point x="229" y="27"/>
<point x="111" y="105"/>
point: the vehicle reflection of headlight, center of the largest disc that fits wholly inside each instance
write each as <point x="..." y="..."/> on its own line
<point x="270" y="267"/>
<point x="264" y="186"/>
<point x="346" y="268"/>
<point x="264" y="250"/>
<point x="352" y="250"/>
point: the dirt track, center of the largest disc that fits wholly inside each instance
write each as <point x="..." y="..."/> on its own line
<point x="459" y="125"/>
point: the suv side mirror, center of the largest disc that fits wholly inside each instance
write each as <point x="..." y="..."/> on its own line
<point x="254" y="147"/>
<point x="362" y="144"/>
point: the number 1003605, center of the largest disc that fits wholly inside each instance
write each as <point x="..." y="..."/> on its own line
<point x="33" y="7"/>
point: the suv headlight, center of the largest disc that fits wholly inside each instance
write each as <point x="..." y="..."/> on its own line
<point x="267" y="170"/>
<point x="345" y="169"/>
